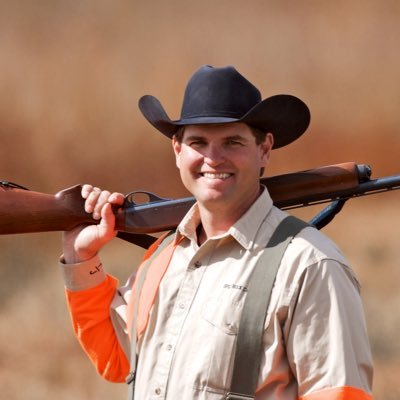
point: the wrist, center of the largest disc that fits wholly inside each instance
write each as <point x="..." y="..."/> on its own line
<point x="76" y="257"/>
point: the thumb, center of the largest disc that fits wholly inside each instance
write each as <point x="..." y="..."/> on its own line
<point x="107" y="222"/>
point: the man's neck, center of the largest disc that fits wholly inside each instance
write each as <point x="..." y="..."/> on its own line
<point x="217" y="219"/>
<point x="212" y="225"/>
<point x="215" y="222"/>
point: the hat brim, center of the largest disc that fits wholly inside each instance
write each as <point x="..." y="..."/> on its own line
<point x="285" y="116"/>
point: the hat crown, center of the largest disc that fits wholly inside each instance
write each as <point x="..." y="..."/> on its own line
<point x="218" y="92"/>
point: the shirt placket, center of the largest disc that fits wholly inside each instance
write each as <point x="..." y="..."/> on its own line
<point x="186" y="296"/>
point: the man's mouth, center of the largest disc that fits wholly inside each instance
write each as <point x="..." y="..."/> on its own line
<point x="216" y="175"/>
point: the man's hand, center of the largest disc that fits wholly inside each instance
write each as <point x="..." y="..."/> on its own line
<point x="84" y="242"/>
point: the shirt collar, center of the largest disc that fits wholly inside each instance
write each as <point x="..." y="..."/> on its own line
<point x="189" y="224"/>
<point x="245" y="230"/>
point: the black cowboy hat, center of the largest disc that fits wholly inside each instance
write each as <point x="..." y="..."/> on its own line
<point x="223" y="95"/>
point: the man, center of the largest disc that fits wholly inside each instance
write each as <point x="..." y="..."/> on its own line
<point x="314" y="344"/>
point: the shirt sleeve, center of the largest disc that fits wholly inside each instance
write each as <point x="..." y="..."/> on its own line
<point x="95" y="303"/>
<point x="328" y="345"/>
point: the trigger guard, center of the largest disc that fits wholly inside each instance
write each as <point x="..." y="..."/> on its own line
<point x="152" y="198"/>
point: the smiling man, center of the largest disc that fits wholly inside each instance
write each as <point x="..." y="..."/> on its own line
<point x="220" y="165"/>
<point x="180" y="317"/>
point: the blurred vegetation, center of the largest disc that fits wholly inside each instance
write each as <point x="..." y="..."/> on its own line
<point x="71" y="73"/>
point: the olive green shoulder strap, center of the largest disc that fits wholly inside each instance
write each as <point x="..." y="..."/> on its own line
<point x="251" y="328"/>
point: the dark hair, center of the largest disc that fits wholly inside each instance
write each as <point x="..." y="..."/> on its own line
<point x="258" y="134"/>
<point x="178" y="135"/>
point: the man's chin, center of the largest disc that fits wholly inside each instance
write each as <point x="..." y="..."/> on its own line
<point x="210" y="198"/>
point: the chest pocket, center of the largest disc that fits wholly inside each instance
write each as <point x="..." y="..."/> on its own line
<point x="224" y="312"/>
<point x="219" y="322"/>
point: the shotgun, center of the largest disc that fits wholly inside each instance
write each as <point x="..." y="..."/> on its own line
<point x="25" y="211"/>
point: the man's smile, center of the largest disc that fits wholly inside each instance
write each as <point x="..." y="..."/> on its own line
<point x="216" y="175"/>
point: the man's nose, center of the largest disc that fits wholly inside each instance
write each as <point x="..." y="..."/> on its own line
<point x="214" y="155"/>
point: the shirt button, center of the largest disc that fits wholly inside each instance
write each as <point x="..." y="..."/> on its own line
<point x="182" y="305"/>
<point x="169" y="347"/>
<point x="158" y="391"/>
<point x="197" y="264"/>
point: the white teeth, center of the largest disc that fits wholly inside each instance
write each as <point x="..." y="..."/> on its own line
<point x="211" y="175"/>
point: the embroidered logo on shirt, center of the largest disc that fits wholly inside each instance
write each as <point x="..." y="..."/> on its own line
<point x="234" y="286"/>
<point x="97" y="269"/>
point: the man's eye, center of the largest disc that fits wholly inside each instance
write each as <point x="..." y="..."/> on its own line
<point x="196" y="143"/>
<point x="234" y="142"/>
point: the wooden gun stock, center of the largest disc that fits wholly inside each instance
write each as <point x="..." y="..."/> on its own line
<point x="24" y="211"/>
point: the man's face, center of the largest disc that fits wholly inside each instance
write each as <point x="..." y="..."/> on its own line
<point x="220" y="164"/>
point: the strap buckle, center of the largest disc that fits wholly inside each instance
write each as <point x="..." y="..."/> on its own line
<point x="238" y="396"/>
<point x="130" y="378"/>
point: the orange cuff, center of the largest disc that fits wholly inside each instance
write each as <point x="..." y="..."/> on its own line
<point x="340" y="393"/>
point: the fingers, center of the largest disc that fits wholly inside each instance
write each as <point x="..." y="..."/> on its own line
<point x="116" y="198"/>
<point x="107" y="224"/>
<point x="96" y="199"/>
<point x="86" y="190"/>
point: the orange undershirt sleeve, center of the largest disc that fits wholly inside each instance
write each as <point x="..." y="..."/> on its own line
<point x="91" y="321"/>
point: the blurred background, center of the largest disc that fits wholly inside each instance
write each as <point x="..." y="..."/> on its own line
<point x="71" y="73"/>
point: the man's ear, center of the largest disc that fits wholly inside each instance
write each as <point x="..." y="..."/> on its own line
<point x="266" y="148"/>
<point x="177" y="147"/>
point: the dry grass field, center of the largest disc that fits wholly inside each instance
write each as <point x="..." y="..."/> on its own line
<point x="71" y="73"/>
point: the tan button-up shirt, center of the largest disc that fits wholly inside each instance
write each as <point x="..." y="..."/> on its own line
<point x="315" y="338"/>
